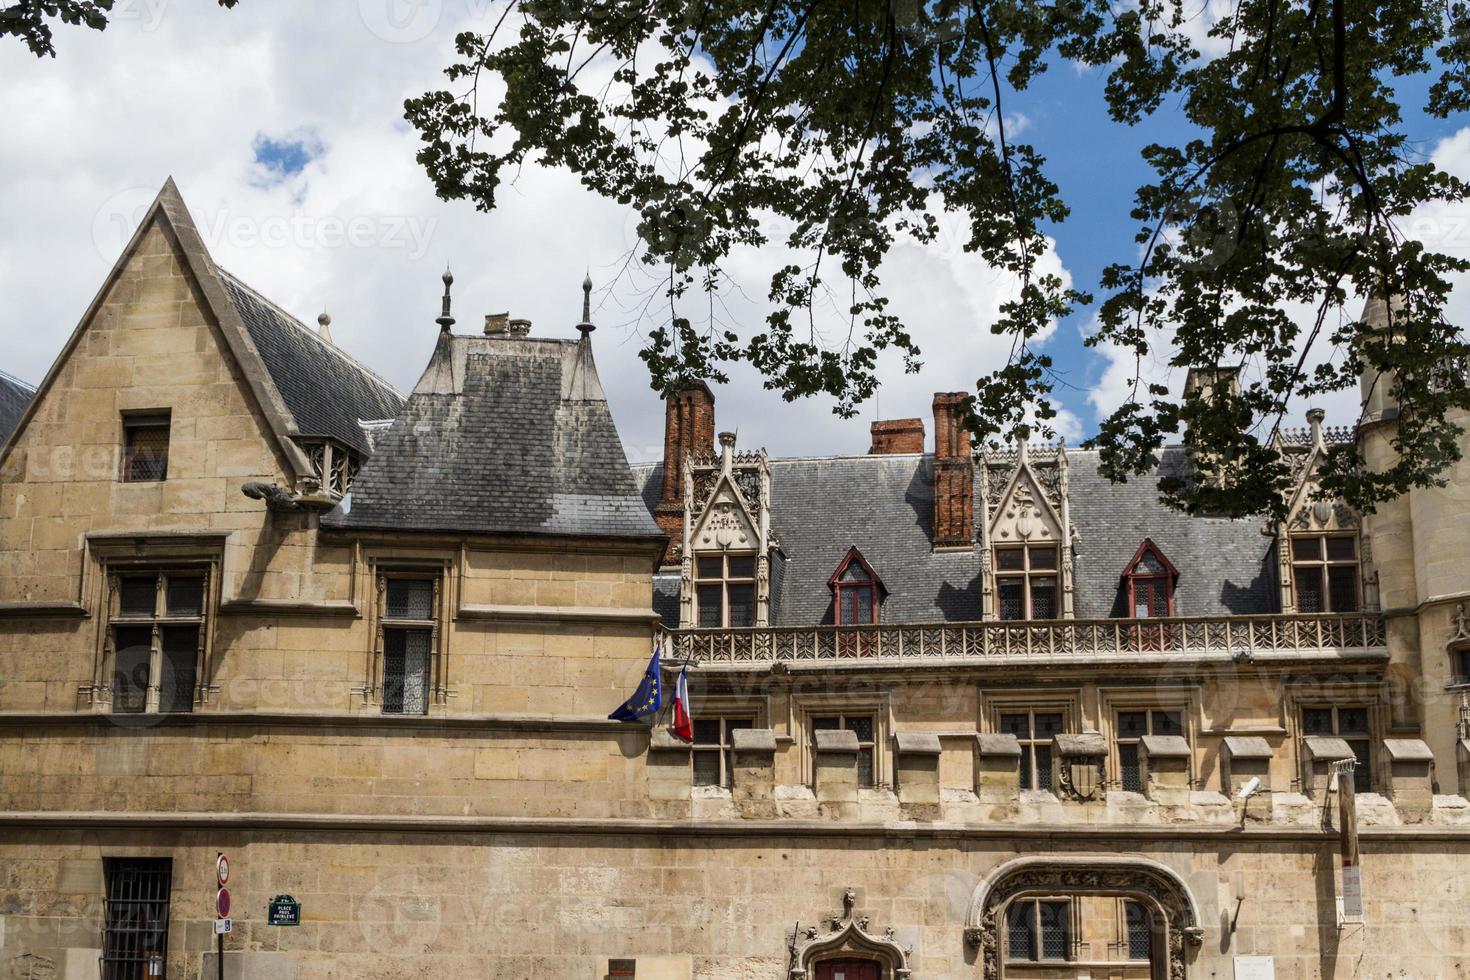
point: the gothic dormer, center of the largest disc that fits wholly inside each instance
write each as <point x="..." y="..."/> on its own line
<point x="725" y="566"/>
<point x="1322" y="558"/>
<point x="1026" y="534"/>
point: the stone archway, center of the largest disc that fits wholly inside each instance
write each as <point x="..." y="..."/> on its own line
<point x="1166" y="894"/>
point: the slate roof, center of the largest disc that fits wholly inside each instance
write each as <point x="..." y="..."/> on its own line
<point x="502" y="435"/>
<point x="325" y="390"/>
<point x="15" y="395"/>
<point x="884" y="505"/>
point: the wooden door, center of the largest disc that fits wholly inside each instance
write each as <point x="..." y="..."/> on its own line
<point x="848" y="970"/>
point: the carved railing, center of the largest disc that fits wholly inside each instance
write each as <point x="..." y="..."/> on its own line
<point x="1237" y="637"/>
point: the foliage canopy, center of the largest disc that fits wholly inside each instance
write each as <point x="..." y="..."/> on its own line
<point x="841" y="126"/>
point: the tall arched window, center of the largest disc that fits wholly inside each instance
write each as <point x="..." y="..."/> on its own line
<point x="1150" y="580"/>
<point x="857" y="592"/>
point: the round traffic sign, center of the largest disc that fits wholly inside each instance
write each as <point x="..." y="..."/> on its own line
<point x="222" y="869"/>
<point x="222" y="903"/>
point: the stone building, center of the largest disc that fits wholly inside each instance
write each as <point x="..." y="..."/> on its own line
<point x="954" y="717"/>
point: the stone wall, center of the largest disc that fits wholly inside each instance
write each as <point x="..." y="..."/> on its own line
<point x="707" y="907"/>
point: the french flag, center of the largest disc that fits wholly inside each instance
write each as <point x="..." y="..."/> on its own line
<point x="683" y="726"/>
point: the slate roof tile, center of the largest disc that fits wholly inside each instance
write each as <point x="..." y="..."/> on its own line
<point x="326" y="391"/>
<point x="15" y="395"/>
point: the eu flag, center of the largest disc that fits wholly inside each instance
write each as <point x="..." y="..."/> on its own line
<point x="649" y="697"/>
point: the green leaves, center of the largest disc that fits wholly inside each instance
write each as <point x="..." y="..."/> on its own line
<point x="822" y="133"/>
<point x="30" y="20"/>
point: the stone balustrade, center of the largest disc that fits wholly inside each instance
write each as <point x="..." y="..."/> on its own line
<point x="1081" y="641"/>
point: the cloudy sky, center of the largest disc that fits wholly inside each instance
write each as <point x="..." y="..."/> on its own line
<point x="282" y="123"/>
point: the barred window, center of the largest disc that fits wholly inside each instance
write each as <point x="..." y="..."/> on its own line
<point x="713" y="755"/>
<point x="156" y="630"/>
<point x="863" y="727"/>
<point x="1140" y="937"/>
<point x="410" y="626"/>
<point x="135" y="929"/>
<point x="1324" y="569"/>
<point x="1039" y="929"/>
<point x="1132" y="726"/>
<point x="1034" y="730"/>
<point x="1349" y="723"/>
<point x="1026" y="582"/>
<point x="725" y="590"/>
<point x="145" y="447"/>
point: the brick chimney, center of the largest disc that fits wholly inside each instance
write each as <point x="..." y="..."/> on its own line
<point x="894" y="436"/>
<point x="954" y="475"/>
<point x="689" y="427"/>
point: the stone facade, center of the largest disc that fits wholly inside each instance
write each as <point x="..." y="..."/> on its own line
<point x="915" y="795"/>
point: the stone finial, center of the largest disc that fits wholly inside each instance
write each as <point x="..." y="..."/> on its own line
<point x="446" y="321"/>
<point x="496" y="324"/>
<point x="1315" y="418"/>
<point x="323" y="326"/>
<point x="586" y="327"/>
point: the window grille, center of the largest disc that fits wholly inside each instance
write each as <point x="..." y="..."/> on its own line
<point x="157" y="634"/>
<point x="714" y="755"/>
<point x="1034" y="730"/>
<point x="145" y="447"/>
<point x="1140" y="940"/>
<point x="1349" y="723"/>
<point x="1039" y="930"/>
<point x="1324" y="568"/>
<point x="409" y="624"/>
<point x="135" y="927"/>
<point x="1026" y="582"/>
<point x="1132" y="726"/>
<point x="725" y="590"/>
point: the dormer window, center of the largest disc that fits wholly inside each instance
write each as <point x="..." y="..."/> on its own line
<point x="857" y="592"/>
<point x="1026" y="581"/>
<point x="1324" y="569"/>
<point x="1150" y="580"/>
<point x="724" y="587"/>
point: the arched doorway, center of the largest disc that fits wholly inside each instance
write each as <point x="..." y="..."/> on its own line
<point x="847" y="951"/>
<point x="848" y="969"/>
<point x="1025" y="918"/>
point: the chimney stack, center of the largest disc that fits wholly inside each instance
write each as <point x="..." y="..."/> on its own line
<point x="689" y="427"/>
<point x="894" y="436"/>
<point x="954" y="475"/>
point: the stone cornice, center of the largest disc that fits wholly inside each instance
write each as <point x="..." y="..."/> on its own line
<point x="536" y="724"/>
<point x="1371" y="837"/>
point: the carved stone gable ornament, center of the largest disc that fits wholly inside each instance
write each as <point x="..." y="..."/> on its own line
<point x="848" y="934"/>
<point x="725" y="524"/>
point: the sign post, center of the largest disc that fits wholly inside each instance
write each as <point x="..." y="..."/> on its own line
<point x="222" y="921"/>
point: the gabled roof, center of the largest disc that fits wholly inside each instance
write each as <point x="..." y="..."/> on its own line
<point x="1149" y="548"/>
<point x="502" y="435"/>
<point x="292" y="379"/>
<point x="884" y="505"/>
<point x="15" y="395"/>
<point x="325" y="391"/>
<point x="854" y="556"/>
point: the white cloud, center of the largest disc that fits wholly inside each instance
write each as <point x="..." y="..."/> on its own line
<point x="186" y="90"/>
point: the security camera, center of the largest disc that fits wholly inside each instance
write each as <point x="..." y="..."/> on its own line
<point x="1249" y="789"/>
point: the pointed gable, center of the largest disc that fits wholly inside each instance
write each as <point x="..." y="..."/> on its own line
<point x="726" y="523"/>
<point x="298" y="389"/>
